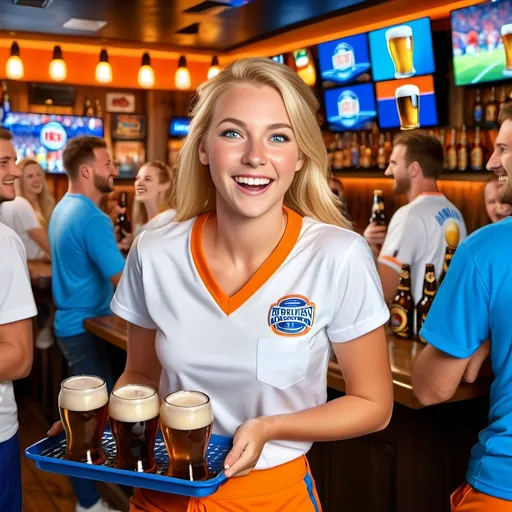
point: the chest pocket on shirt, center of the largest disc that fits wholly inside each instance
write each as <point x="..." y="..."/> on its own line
<point x="282" y="362"/>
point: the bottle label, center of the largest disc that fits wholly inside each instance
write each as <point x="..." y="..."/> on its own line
<point x="490" y="113"/>
<point x="477" y="158"/>
<point x="463" y="159"/>
<point x="451" y="160"/>
<point x="478" y="114"/>
<point x="398" y="321"/>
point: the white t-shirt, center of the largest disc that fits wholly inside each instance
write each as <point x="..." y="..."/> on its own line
<point x="419" y="233"/>
<point x="16" y="303"/>
<point x="158" y="221"/>
<point x="265" y="350"/>
<point x="20" y="216"/>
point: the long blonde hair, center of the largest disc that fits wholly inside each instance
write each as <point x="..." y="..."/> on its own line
<point x="309" y="194"/>
<point x="167" y="199"/>
<point x="45" y="199"/>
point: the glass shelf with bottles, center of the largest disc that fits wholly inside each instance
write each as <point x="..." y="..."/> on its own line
<point x="484" y="106"/>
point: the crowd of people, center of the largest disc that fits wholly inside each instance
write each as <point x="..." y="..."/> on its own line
<point x="252" y="217"/>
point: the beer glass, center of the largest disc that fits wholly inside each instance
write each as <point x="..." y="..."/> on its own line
<point x="83" y="410"/>
<point x="408" y="106"/>
<point x="401" y="49"/>
<point x="186" y="419"/>
<point x="452" y="234"/>
<point x="133" y="411"/>
<point x="506" y="34"/>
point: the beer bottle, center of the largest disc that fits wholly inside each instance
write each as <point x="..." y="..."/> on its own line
<point x="347" y="157"/>
<point x="354" y="152"/>
<point x="388" y="147"/>
<point x="402" y="306"/>
<point x="330" y="153"/>
<point x="378" y="213"/>
<point x="429" y="290"/>
<point x="122" y="222"/>
<point x="503" y="100"/>
<point x="491" y="109"/>
<point x="98" y="110"/>
<point x="381" y="153"/>
<point x="477" y="153"/>
<point x="364" y="161"/>
<point x="448" y="255"/>
<point x="88" y="108"/>
<point x="451" y="152"/>
<point x="478" y="110"/>
<point x="462" y="152"/>
<point x="338" y="152"/>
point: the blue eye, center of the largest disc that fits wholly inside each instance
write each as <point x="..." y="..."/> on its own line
<point x="231" y="134"/>
<point x="279" y="138"/>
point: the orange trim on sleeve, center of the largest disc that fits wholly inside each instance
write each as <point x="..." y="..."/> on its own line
<point x="390" y="259"/>
<point x="431" y="194"/>
<point x="260" y="277"/>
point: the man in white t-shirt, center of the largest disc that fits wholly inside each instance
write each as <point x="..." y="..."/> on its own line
<point x="17" y="307"/>
<point x="420" y="231"/>
<point x="20" y="216"/>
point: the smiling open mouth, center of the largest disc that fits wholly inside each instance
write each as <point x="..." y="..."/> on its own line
<point x="253" y="184"/>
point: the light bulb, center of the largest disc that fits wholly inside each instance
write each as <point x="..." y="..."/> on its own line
<point x="58" y="70"/>
<point x="103" y="69"/>
<point x="182" y="77"/>
<point x="146" y="73"/>
<point x="214" y="68"/>
<point x="14" y="67"/>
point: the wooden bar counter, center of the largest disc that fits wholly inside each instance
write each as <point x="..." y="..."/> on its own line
<point x="411" y="466"/>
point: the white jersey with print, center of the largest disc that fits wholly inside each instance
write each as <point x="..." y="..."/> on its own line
<point x="21" y="217"/>
<point x="419" y="233"/>
<point x="160" y="220"/>
<point x="16" y="303"/>
<point x="264" y="350"/>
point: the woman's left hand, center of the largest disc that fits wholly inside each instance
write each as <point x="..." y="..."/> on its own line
<point x="248" y="443"/>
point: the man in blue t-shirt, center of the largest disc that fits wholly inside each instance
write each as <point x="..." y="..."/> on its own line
<point x="86" y="265"/>
<point x="473" y="305"/>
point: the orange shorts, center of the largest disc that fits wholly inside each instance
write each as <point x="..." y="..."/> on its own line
<point x="467" y="499"/>
<point x="286" y="488"/>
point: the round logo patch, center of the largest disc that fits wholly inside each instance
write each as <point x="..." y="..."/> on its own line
<point x="53" y="136"/>
<point x="292" y="315"/>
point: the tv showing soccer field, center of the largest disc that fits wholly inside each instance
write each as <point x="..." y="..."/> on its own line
<point x="345" y="60"/>
<point x="350" y="108"/>
<point x="407" y="104"/>
<point x="402" y="51"/>
<point x="482" y="43"/>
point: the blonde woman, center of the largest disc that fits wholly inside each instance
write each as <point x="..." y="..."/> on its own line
<point x="244" y="294"/>
<point x="33" y="187"/>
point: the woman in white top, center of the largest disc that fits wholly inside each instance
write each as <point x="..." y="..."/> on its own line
<point x="243" y="296"/>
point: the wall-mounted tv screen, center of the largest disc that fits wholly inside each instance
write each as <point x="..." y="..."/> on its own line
<point x="482" y="43"/>
<point x="44" y="136"/>
<point x="350" y="108"/>
<point x="407" y="104"/>
<point x="345" y="60"/>
<point x="179" y="126"/>
<point x="402" y="51"/>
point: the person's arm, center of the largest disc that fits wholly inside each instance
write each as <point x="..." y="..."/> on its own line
<point x="455" y="329"/>
<point x="17" y="307"/>
<point x="360" y="346"/>
<point x="102" y="247"/>
<point x="40" y="238"/>
<point x="16" y="350"/>
<point x="389" y="278"/>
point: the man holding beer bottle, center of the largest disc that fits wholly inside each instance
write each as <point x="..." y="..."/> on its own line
<point x="472" y="306"/>
<point x="17" y="307"/>
<point x="86" y="265"/>
<point x="419" y="232"/>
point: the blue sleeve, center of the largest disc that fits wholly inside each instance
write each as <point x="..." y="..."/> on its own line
<point x="101" y="246"/>
<point x="458" y="321"/>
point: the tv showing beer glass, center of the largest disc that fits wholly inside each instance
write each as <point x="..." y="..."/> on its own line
<point x="407" y="104"/>
<point x="83" y="405"/>
<point x="350" y="108"/>
<point x="345" y="60"/>
<point x="482" y="43"/>
<point x="402" y="51"/>
<point x="186" y="419"/>
<point x="134" y="412"/>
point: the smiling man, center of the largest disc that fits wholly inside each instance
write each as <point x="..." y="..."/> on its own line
<point x="472" y="306"/>
<point x="17" y="307"/>
<point x="86" y="265"/>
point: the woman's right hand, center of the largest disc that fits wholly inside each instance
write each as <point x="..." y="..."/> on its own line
<point x="55" y="429"/>
<point x="126" y="242"/>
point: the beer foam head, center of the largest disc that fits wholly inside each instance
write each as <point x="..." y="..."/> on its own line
<point x="186" y="410"/>
<point x="407" y="90"/>
<point x="83" y="393"/>
<point x="506" y="29"/>
<point x="133" y="403"/>
<point x="400" y="31"/>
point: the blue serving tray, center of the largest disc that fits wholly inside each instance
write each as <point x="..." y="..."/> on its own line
<point x="48" y="455"/>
